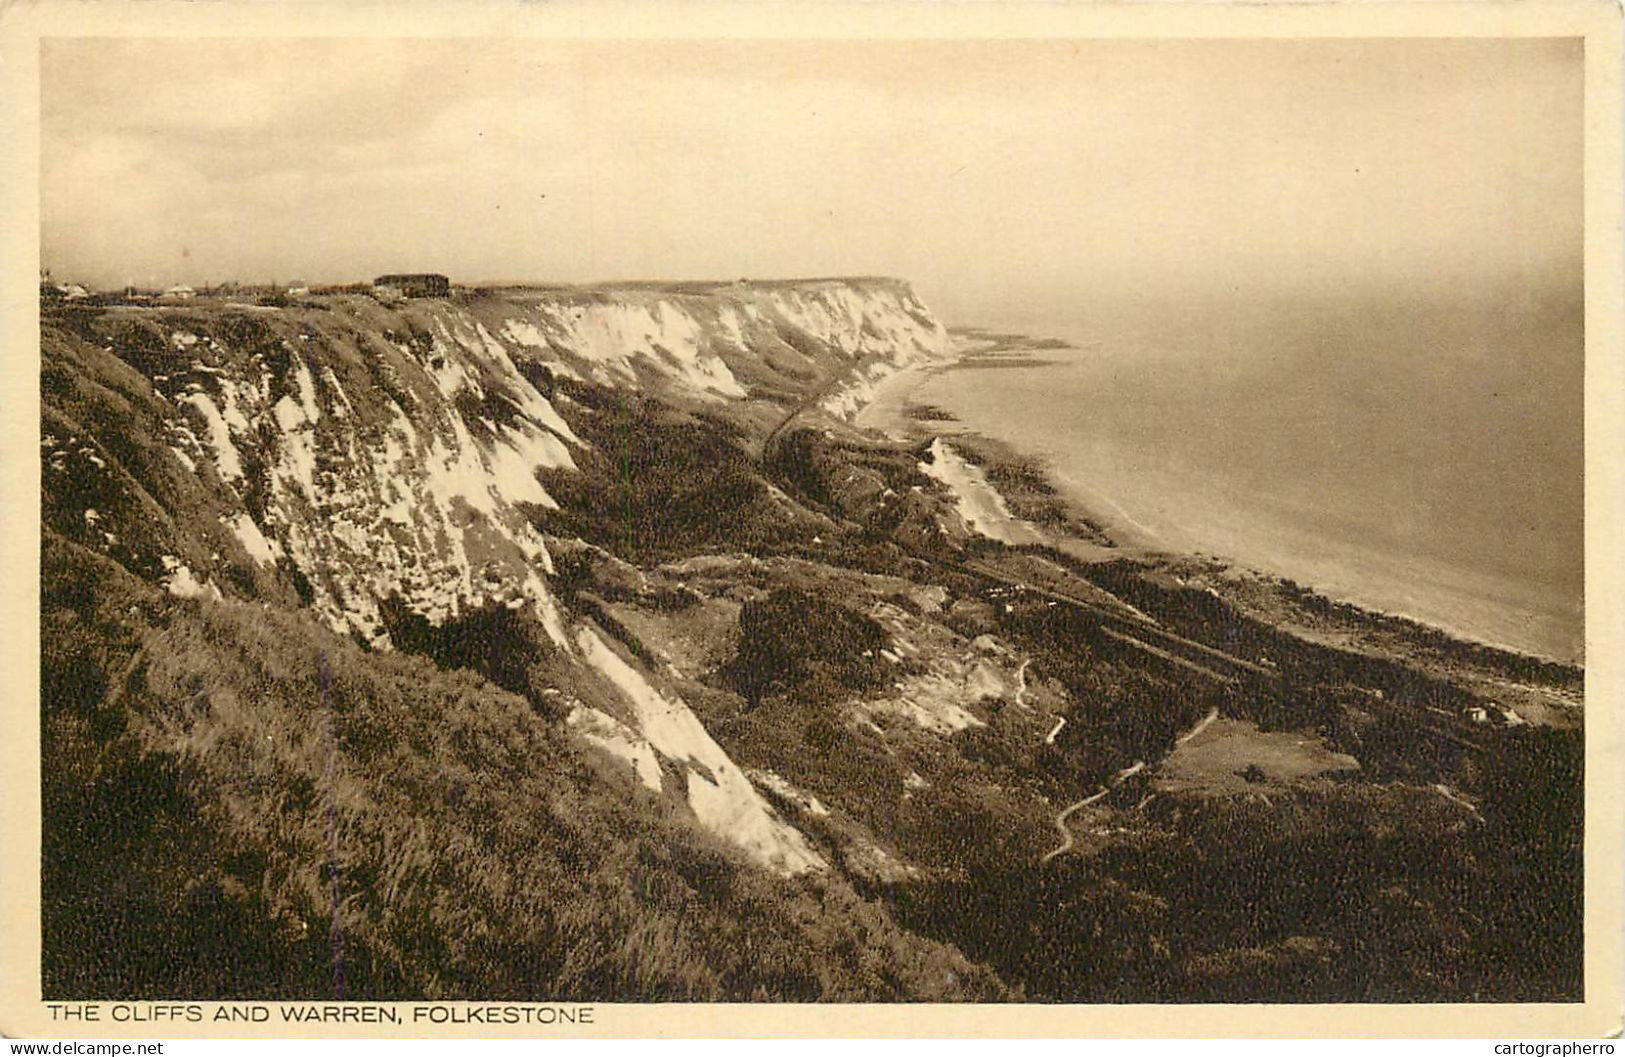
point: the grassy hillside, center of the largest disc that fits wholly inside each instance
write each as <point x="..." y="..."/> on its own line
<point x="257" y="807"/>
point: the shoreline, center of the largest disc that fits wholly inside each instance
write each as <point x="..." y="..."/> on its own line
<point x="884" y="411"/>
<point x="1108" y="531"/>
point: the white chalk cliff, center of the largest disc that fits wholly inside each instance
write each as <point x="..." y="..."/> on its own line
<point x="345" y="452"/>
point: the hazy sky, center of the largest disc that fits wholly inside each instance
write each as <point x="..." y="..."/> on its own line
<point x="990" y="173"/>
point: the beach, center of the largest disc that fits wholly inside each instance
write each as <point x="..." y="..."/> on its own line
<point x="991" y="404"/>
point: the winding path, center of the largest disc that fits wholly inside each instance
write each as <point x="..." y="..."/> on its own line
<point x="1067" y="840"/>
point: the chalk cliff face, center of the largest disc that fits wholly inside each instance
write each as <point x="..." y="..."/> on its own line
<point x="350" y="457"/>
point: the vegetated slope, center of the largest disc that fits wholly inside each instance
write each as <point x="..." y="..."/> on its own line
<point x="567" y="643"/>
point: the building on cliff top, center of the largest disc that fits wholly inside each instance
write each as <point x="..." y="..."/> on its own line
<point x="424" y="284"/>
<point x="50" y="291"/>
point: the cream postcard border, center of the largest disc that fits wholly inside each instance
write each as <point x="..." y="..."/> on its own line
<point x="22" y="26"/>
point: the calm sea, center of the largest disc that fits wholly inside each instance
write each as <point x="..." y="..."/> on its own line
<point x="1412" y="456"/>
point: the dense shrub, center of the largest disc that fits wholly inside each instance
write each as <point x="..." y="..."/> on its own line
<point x="795" y="641"/>
<point x="1346" y="893"/>
<point x="500" y="643"/>
<point x="657" y="484"/>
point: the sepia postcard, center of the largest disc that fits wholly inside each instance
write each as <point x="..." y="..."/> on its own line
<point x="889" y="519"/>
